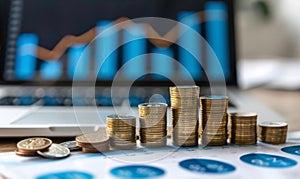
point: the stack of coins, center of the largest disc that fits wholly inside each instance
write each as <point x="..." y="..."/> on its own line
<point x="213" y="114"/>
<point x="153" y="124"/>
<point x="185" y="115"/>
<point x="243" y="128"/>
<point x="272" y="132"/>
<point x="121" y="130"/>
<point x="93" y="142"/>
<point x="30" y="146"/>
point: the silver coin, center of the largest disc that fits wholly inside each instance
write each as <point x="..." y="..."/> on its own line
<point x="55" y="151"/>
<point x="273" y="124"/>
<point x="154" y="104"/>
<point x="71" y="145"/>
<point x="243" y="114"/>
<point x="121" y="116"/>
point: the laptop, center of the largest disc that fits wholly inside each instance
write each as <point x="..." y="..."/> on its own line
<point x="65" y="65"/>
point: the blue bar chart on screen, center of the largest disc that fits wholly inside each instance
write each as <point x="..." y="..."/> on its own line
<point x="96" y="52"/>
<point x="161" y="57"/>
<point x="76" y="53"/>
<point x="134" y="49"/>
<point x="51" y="70"/>
<point x="189" y="44"/>
<point x="106" y="42"/>
<point x="25" y="56"/>
<point x="217" y="38"/>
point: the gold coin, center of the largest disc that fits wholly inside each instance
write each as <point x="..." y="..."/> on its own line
<point x="153" y="124"/>
<point x="122" y="131"/>
<point x="185" y="115"/>
<point x="34" y="144"/>
<point x="272" y="132"/>
<point x="21" y="152"/>
<point x="93" y="138"/>
<point x="271" y="124"/>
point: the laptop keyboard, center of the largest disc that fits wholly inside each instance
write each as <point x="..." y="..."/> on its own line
<point x="69" y="101"/>
<point x="22" y="101"/>
<point x="77" y="101"/>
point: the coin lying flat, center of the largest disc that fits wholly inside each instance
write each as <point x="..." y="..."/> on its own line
<point x="29" y="146"/>
<point x="93" y="138"/>
<point x="273" y="124"/>
<point x="71" y="145"/>
<point x="90" y="140"/>
<point x="93" y="142"/>
<point x="55" y="151"/>
<point x="244" y="115"/>
<point x="34" y="144"/>
<point x="95" y="149"/>
<point x="25" y="153"/>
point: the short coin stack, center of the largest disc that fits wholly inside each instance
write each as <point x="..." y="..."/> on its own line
<point x="272" y="132"/>
<point x="42" y="146"/>
<point x="153" y="124"/>
<point x="213" y="112"/>
<point x="185" y="115"/>
<point x="121" y="130"/>
<point x="93" y="142"/>
<point x="243" y="128"/>
<point x="30" y="146"/>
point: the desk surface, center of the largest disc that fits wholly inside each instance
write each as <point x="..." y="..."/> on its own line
<point x="286" y="103"/>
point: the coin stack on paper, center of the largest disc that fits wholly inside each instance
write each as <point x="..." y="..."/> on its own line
<point x="153" y="124"/>
<point x="213" y="117"/>
<point x="185" y="115"/>
<point x="121" y="130"/>
<point x="30" y="146"/>
<point x="93" y="142"/>
<point x="41" y="146"/>
<point x="243" y="128"/>
<point x="272" y="132"/>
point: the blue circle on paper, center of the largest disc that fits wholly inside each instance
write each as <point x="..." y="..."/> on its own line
<point x="137" y="171"/>
<point x="294" y="150"/>
<point x="67" y="175"/>
<point x="206" y="166"/>
<point x="267" y="160"/>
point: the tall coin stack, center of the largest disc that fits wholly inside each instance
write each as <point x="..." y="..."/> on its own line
<point x="213" y="112"/>
<point x="272" y="132"/>
<point x="121" y="131"/>
<point x="153" y="124"/>
<point x="243" y="128"/>
<point x="185" y="115"/>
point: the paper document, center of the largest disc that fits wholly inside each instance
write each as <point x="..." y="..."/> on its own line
<point x="258" y="161"/>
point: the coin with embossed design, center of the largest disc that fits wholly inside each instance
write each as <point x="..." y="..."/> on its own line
<point x="55" y="151"/>
<point x="35" y="143"/>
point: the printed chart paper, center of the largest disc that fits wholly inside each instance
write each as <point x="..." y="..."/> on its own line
<point x="260" y="161"/>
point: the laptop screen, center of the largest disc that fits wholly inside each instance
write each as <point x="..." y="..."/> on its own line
<point x="52" y="42"/>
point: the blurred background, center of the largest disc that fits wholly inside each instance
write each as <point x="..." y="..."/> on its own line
<point x="268" y="29"/>
<point x="268" y="43"/>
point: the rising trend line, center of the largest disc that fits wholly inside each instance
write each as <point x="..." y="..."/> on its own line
<point x="87" y="37"/>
